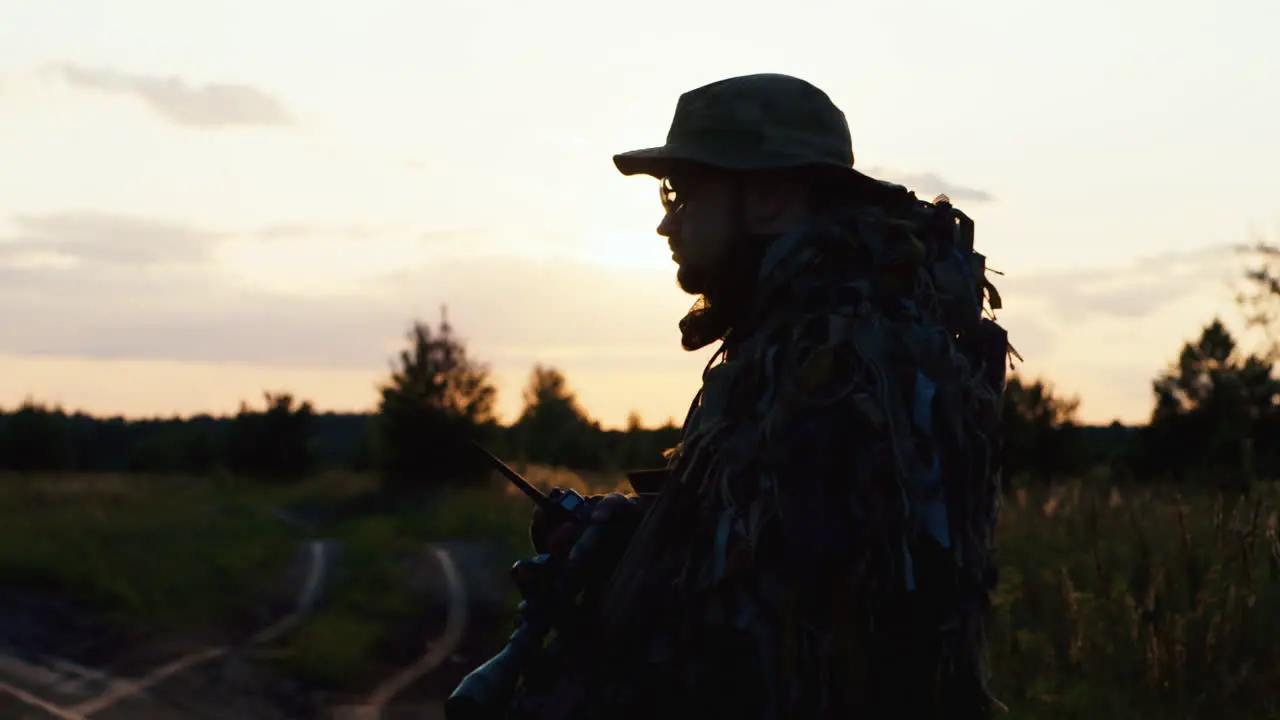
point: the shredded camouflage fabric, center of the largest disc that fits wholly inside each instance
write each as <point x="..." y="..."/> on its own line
<point x="824" y="548"/>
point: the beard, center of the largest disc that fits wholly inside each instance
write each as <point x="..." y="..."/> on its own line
<point x="730" y="278"/>
<point x="725" y="288"/>
<point x="693" y="281"/>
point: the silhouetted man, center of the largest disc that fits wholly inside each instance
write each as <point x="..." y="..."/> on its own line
<point x="821" y="547"/>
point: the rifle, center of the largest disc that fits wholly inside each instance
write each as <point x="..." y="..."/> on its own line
<point x="550" y="587"/>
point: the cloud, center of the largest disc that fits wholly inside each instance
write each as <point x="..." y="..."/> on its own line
<point x="928" y="185"/>
<point x="1029" y="335"/>
<point x="107" y="239"/>
<point x="1111" y="330"/>
<point x="146" y="289"/>
<point x="1131" y="292"/>
<point x="292" y="231"/>
<point x="210" y="105"/>
<point x="149" y="289"/>
<point x="517" y="313"/>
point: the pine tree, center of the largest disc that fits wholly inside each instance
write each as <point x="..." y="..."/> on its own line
<point x="435" y="400"/>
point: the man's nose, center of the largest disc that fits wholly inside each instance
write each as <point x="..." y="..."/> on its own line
<point x="668" y="225"/>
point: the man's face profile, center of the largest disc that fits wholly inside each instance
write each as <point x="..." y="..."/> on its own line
<point x="699" y="226"/>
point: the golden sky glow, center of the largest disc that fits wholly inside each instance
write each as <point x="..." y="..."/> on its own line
<point x="198" y="202"/>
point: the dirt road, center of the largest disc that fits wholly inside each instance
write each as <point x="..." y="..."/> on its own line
<point x="187" y="679"/>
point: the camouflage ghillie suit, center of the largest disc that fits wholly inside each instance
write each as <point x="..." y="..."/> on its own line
<point x="823" y="545"/>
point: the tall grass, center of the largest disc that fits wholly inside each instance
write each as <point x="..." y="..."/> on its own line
<point x="1137" y="602"/>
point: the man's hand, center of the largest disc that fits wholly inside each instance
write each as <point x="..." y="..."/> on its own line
<point x="619" y="513"/>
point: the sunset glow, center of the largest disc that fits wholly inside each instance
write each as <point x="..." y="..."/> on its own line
<point x="198" y="203"/>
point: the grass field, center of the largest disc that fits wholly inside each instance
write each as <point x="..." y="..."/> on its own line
<point x="170" y="552"/>
<point x="1112" y="602"/>
<point x="177" y="554"/>
<point x="1145" y="603"/>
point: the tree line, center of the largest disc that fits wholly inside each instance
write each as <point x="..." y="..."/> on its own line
<point x="1214" y="419"/>
<point x="1215" y="416"/>
<point x="436" y="400"/>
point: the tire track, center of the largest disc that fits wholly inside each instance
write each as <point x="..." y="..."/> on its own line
<point x="439" y="650"/>
<point x="36" y="701"/>
<point x="122" y="689"/>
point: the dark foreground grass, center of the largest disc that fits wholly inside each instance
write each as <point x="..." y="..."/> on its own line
<point x="164" y="553"/>
<point x="177" y="555"/>
<point x="1138" y="603"/>
<point x="1112" y="602"/>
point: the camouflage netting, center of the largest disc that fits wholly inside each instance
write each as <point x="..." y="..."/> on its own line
<point x="842" y="449"/>
<point x="824" y="547"/>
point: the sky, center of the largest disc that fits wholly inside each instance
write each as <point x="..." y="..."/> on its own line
<point x="203" y="201"/>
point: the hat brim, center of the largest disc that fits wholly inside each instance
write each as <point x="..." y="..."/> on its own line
<point x="659" y="161"/>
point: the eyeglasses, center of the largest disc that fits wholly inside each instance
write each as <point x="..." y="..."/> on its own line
<point x="672" y="200"/>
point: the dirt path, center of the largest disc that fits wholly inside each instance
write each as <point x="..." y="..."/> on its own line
<point x="437" y="650"/>
<point x="220" y="682"/>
